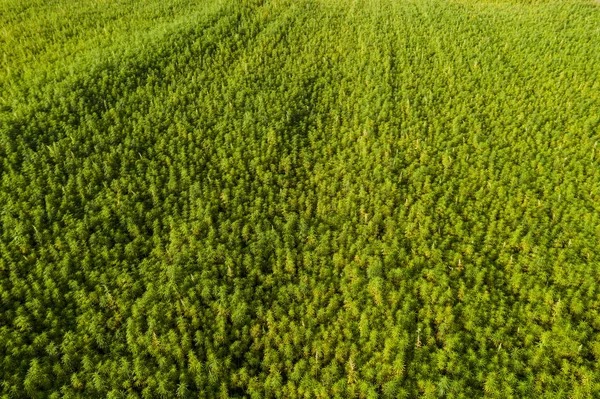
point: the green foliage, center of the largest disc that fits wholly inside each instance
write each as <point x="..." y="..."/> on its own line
<point x="299" y="199"/>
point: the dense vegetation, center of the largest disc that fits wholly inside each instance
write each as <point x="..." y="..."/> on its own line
<point x="313" y="198"/>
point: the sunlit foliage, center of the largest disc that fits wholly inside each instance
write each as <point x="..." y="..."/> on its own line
<point x="299" y="199"/>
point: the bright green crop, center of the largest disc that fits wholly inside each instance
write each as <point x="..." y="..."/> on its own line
<point x="299" y="199"/>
